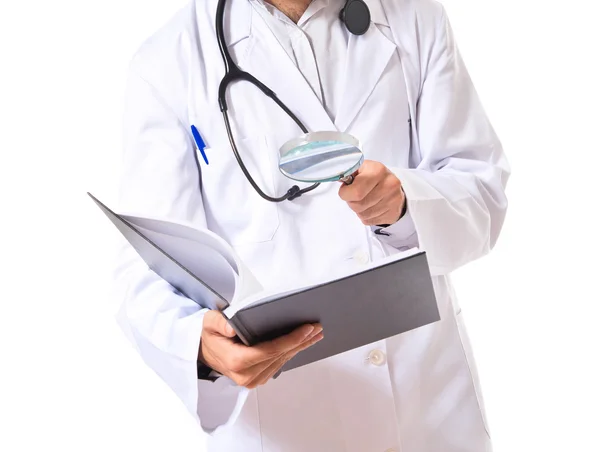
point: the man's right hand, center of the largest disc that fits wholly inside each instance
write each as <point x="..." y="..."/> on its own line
<point x="250" y="367"/>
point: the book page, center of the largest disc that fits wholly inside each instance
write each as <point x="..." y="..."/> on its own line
<point x="247" y="287"/>
<point x="259" y="297"/>
<point x="202" y="252"/>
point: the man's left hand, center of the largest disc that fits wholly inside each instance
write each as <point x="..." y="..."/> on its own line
<point x="376" y="195"/>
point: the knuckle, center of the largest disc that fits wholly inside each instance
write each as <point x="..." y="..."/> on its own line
<point x="270" y="349"/>
<point x="209" y="321"/>
<point x="361" y="194"/>
<point x="248" y="382"/>
<point x="347" y="197"/>
<point x="355" y="206"/>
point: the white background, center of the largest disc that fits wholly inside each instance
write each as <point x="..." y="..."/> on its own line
<point x="67" y="377"/>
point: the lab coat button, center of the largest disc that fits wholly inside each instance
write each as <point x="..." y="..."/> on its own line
<point x="361" y="257"/>
<point x="377" y="358"/>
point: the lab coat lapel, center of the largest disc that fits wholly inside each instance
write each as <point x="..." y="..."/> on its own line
<point x="267" y="60"/>
<point x="368" y="56"/>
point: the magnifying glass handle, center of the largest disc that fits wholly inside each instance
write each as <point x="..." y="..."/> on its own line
<point x="348" y="179"/>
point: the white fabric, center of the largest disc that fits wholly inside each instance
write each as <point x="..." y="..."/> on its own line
<point x="405" y="93"/>
<point x="309" y="42"/>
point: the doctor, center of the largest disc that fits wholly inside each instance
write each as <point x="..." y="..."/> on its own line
<point x="389" y="73"/>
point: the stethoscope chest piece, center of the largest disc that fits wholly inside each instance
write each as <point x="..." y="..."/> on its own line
<point x="356" y="16"/>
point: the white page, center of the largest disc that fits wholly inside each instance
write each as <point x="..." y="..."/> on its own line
<point x="248" y="286"/>
<point x="259" y="297"/>
<point x="202" y="252"/>
<point x="188" y="231"/>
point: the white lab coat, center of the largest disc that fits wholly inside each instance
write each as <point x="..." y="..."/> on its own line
<point x="425" y="395"/>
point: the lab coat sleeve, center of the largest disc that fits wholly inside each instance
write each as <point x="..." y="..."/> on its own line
<point x="455" y="190"/>
<point x="160" y="179"/>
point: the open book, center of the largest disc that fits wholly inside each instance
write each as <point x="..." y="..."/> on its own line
<point x="383" y="299"/>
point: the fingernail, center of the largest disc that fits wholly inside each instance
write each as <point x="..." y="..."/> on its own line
<point x="308" y="329"/>
<point x="316" y="331"/>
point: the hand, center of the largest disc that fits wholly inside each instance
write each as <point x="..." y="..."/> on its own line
<point x="376" y="194"/>
<point x="250" y="367"/>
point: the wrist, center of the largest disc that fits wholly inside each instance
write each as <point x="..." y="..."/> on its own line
<point x="204" y="370"/>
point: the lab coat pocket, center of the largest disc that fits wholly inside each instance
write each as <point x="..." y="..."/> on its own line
<point x="233" y="208"/>
<point x="468" y="350"/>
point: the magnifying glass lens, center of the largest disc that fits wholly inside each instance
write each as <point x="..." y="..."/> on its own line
<point x="320" y="157"/>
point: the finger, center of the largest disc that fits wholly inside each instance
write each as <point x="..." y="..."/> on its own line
<point x="241" y="357"/>
<point x="383" y="219"/>
<point x="269" y="372"/>
<point x="372" y="199"/>
<point x="249" y="376"/>
<point x="377" y="214"/>
<point x="366" y="179"/>
<point x="359" y="189"/>
<point x="290" y="341"/>
<point x="374" y="206"/>
<point x="388" y="211"/>
<point x="215" y="322"/>
<point x="260" y="367"/>
<point x="316" y="338"/>
<point x="238" y="360"/>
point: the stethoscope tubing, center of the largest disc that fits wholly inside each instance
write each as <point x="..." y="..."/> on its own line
<point x="234" y="73"/>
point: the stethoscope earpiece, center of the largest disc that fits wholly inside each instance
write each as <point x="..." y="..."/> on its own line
<point x="356" y="16"/>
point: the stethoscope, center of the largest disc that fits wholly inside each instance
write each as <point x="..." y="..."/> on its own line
<point x="356" y="16"/>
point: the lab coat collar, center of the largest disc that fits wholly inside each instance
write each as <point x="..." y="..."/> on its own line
<point x="377" y="13"/>
<point x="268" y="61"/>
<point x="367" y="57"/>
<point x="238" y="21"/>
<point x="238" y="18"/>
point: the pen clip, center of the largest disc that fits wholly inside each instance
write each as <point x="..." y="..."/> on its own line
<point x="199" y="142"/>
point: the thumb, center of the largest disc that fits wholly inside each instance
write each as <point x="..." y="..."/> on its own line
<point x="216" y="322"/>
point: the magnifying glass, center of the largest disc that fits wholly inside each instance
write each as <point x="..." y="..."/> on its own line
<point x="321" y="157"/>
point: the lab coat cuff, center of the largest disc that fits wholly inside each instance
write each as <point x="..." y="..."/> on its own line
<point x="403" y="229"/>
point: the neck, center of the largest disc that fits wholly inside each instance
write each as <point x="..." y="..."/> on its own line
<point x="291" y="8"/>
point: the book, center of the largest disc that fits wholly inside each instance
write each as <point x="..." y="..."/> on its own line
<point x="385" y="298"/>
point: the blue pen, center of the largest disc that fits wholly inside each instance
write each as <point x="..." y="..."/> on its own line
<point x="199" y="142"/>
